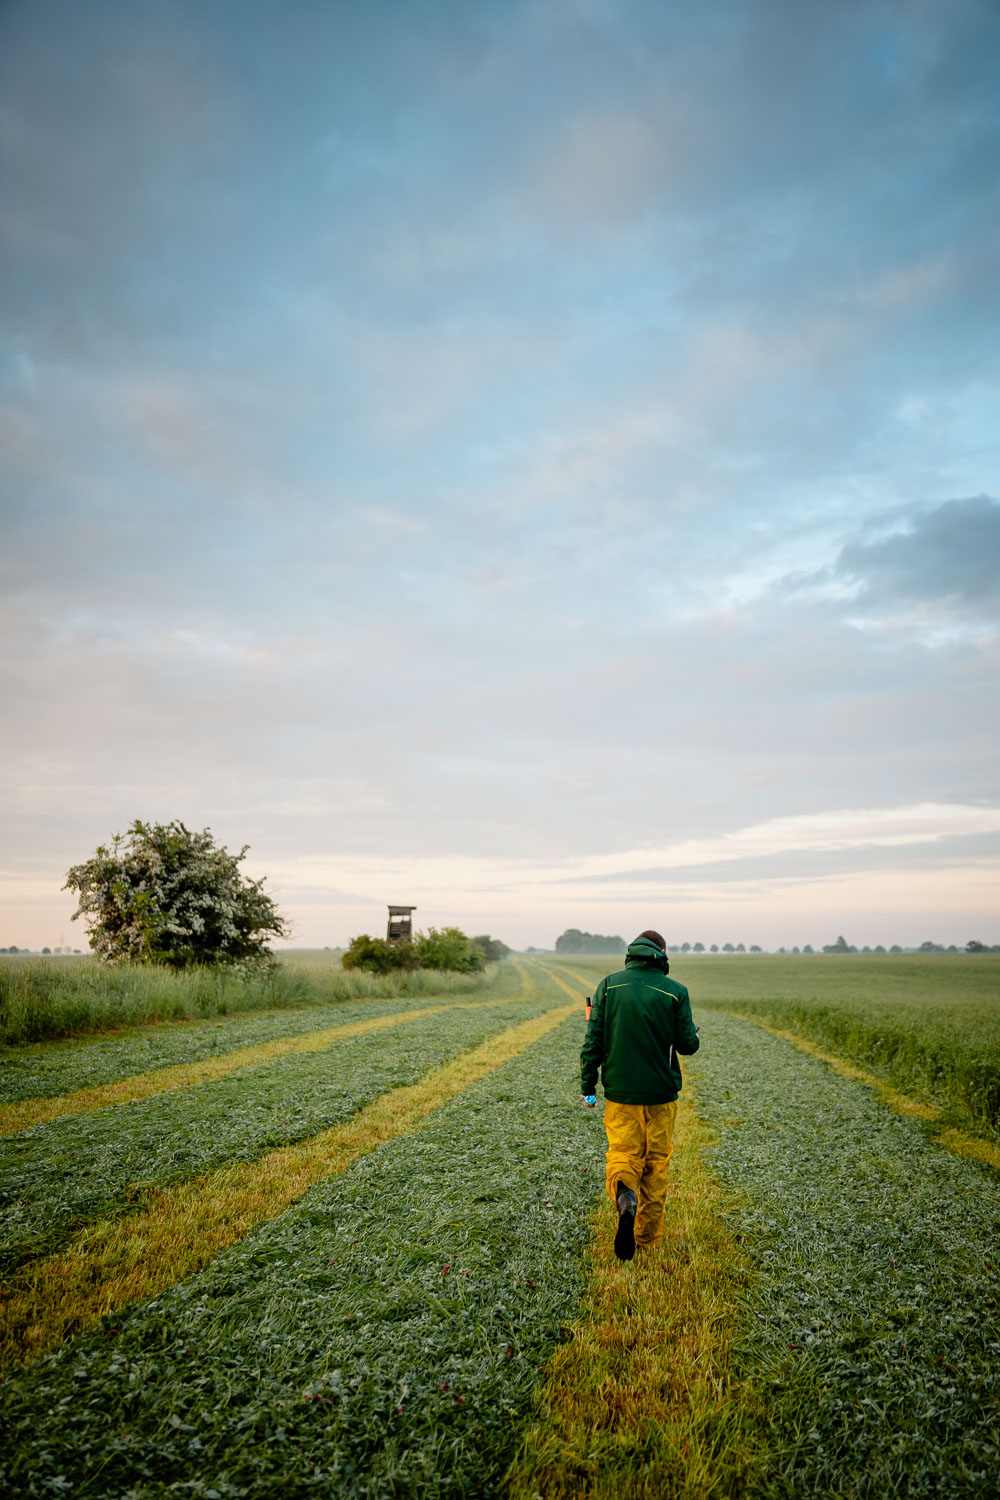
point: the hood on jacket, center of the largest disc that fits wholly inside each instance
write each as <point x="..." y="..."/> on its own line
<point x="644" y="951"/>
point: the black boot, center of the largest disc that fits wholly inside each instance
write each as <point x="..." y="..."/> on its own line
<point x="625" y="1238"/>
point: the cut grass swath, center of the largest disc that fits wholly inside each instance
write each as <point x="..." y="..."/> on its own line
<point x="120" y="1261"/>
<point x="44" y="999"/>
<point x="44" y="1070"/>
<point x="28" y="1112"/>
<point x="958" y="1141"/>
<point x="25" y="1113"/>
<point x="61" y="1176"/>
<point x="873" y="1312"/>
<point x="384" y="1336"/>
<point x="927" y="1023"/>
<point x="639" y="1401"/>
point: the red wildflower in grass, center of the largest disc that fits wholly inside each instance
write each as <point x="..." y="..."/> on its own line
<point x="446" y="1270"/>
<point x="442" y="1385"/>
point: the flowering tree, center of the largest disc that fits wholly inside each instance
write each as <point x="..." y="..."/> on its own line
<point x="162" y="894"/>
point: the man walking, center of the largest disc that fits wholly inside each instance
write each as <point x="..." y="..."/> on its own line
<point x="639" y="1022"/>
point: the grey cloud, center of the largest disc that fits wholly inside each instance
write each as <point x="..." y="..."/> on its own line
<point x="950" y="553"/>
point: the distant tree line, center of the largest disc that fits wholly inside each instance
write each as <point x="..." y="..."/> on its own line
<point x="575" y="941"/>
<point x="46" y="952"/>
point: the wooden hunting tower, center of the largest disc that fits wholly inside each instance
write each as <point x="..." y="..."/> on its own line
<point x="400" y="929"/>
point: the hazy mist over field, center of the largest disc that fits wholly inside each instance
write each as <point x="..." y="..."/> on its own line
<point x="533" y="460"/>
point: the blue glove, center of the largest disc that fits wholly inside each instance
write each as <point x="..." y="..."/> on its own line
<point x="590" y="1100"/>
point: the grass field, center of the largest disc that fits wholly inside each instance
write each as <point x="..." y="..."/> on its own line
<point x="363" y="1251"/>
<point x="47" y="999"/>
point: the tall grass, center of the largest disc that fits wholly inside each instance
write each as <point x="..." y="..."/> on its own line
<point x="43" y="1000"/>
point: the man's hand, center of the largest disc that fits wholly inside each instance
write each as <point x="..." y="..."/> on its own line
<point x="590" y="1100"/>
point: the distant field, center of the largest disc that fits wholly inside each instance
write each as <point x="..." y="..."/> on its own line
<point x="928" y="1023"/>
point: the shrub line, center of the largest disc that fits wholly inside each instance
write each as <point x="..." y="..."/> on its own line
<point x="118" y="1261"/>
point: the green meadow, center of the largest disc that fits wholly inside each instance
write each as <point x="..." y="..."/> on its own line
<point x="354" y="1242"/>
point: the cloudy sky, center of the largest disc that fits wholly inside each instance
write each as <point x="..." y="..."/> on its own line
<point x="537" y="460"/>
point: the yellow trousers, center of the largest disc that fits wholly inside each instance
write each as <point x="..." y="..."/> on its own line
<point x="640" y="1140"/>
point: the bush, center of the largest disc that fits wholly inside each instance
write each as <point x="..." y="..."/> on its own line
<point x="161" y="894"/>
<point x="448" y="949"/>
<point x="491" y="948"/>
<point x="377" y="955"/>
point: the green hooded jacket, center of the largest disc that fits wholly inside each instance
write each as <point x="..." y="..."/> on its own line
<point x="639" y="1022"/>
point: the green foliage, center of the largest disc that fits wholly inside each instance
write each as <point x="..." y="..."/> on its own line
<point x="492" y="949"/>
<point x="448" y="949"/>
<point x="378" y="956"/>
<point x="160" y="894"/>
<point x="41" y="1001"/>
<point x="575" y="941"/>
<point x="387" y="1335"/>
<point x="840" y="946"/>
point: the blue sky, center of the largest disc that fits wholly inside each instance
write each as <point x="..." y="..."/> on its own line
<point x="538" y="461"/>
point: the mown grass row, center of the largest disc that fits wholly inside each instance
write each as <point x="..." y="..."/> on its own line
<point x="385" y="1335"/>
<point x="178" y="1230"/>
<point x="640" y="1401"/>
<point x="941" y="1046"/>
<point x="46" y="999"/>
<point x="973" y="1146"/>
<point x="60" y="1175"/>
<point x="50" y="1069"/>
<point x="25" y="1113"/>
<point x="872" y="1326"/>
<point x="929" y="1024"/>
